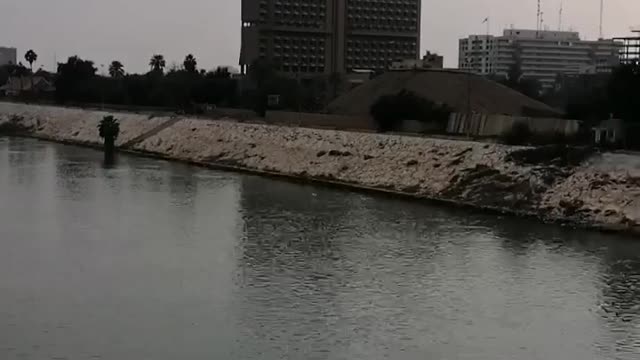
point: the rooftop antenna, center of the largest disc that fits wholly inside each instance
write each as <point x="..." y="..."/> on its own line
<point x="560" y="16"/>
<point x="538" y="17"/>
<point x="601" y="16"/>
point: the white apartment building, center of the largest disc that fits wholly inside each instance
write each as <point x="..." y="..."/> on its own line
<point x="8" y="56"/>
<point x="543" y="54"/>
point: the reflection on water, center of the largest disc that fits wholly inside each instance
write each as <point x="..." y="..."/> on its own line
<point x="154" y="260"/>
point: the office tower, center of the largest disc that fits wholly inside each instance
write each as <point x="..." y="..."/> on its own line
<point x="311" y="37"/>
<point x="542" y="54"/>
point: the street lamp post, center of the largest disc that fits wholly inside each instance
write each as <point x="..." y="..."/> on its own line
<point x="103" y="74"/>
<point x="469" y="61"/>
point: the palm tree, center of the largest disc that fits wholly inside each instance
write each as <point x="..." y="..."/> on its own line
<point x="116" y="69"/>
<point x="190" y="64"/>
<point x="31" y="57"/>
<point x="109" y="129"/>
<point x="157" y="63"/>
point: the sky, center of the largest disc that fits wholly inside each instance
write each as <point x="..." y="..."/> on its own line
<point x="131" y="31"/>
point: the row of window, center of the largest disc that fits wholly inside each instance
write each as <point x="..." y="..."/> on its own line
<point x="381" y="44"/>
<point x="311" y="42"/>
<point x="306" y="4"/>
<point x="299" y="23"/>
<point x="299" y="49"/>
<point x="384" y="25"/>
<point x="383" y="5"/>
<point x="382" y="12"/>
<point x="283" y="51"/>
<point x="291" y="5"/>
<point x="302" y="69"/>
<point x="540" y="52"/>
<point x="293" y="60"/>
<point x="397" y="54"/>
<point x="368" y="64"/>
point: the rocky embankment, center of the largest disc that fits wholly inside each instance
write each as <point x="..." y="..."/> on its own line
<point x="551" y="183"/>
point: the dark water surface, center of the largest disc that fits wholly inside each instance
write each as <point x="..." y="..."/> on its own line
<point x="155" y="260"/>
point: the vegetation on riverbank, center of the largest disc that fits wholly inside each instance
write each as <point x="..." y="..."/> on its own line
<point x="109" y="129"/>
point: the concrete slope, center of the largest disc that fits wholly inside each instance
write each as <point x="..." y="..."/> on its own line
<point x="551" y="183"/>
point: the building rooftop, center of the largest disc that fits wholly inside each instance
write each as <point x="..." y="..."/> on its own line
<point x="448" y="87"/>
<point x="542" y="34"/>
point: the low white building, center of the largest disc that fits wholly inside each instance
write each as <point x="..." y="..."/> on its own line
<point x="542" y="54"/>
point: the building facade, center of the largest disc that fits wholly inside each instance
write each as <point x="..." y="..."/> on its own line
<point x="311" y="37"/>
<point x="429" y="61"/>
<point x="630" y="52"/>
<point x="8" y="56"/>
<point x="542" y="55"/>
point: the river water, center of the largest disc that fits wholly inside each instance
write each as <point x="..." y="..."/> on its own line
<point x="156" y="260"/>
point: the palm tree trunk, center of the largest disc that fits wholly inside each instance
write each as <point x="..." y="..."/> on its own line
<point x="31" y="90"/>
<point x="109" y="149"/>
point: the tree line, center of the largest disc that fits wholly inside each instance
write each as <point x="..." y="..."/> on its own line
<point x="180" y="87"/>
<point x="77" y="81"/>
<point x="589" y="98"/>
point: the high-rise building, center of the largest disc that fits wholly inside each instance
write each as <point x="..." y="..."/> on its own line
<point x="8" y="55"/>
<point x="542" y="55"/>
<point x="307" y="37"/>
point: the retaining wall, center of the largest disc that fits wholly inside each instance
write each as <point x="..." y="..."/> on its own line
<point x="339" y="122"/>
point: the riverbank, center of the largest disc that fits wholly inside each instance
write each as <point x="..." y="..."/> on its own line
<point x="579" y="187"/>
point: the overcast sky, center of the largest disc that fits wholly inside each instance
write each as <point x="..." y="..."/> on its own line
<point x="132" y="30"/>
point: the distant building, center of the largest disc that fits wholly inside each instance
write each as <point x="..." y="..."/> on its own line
<point x="630" y="52"/>
<point x="428" y="61"/>
<point x="543" y="55"/>
<point x="21" y="85"/>
<point x="8" y="56"/>
<point x="311" y="37"/>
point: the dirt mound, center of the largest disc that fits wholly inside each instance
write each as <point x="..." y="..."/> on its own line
<point x="443" y="87"/>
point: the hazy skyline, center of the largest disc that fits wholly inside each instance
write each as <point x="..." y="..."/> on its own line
<point x="132" y="31"/>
